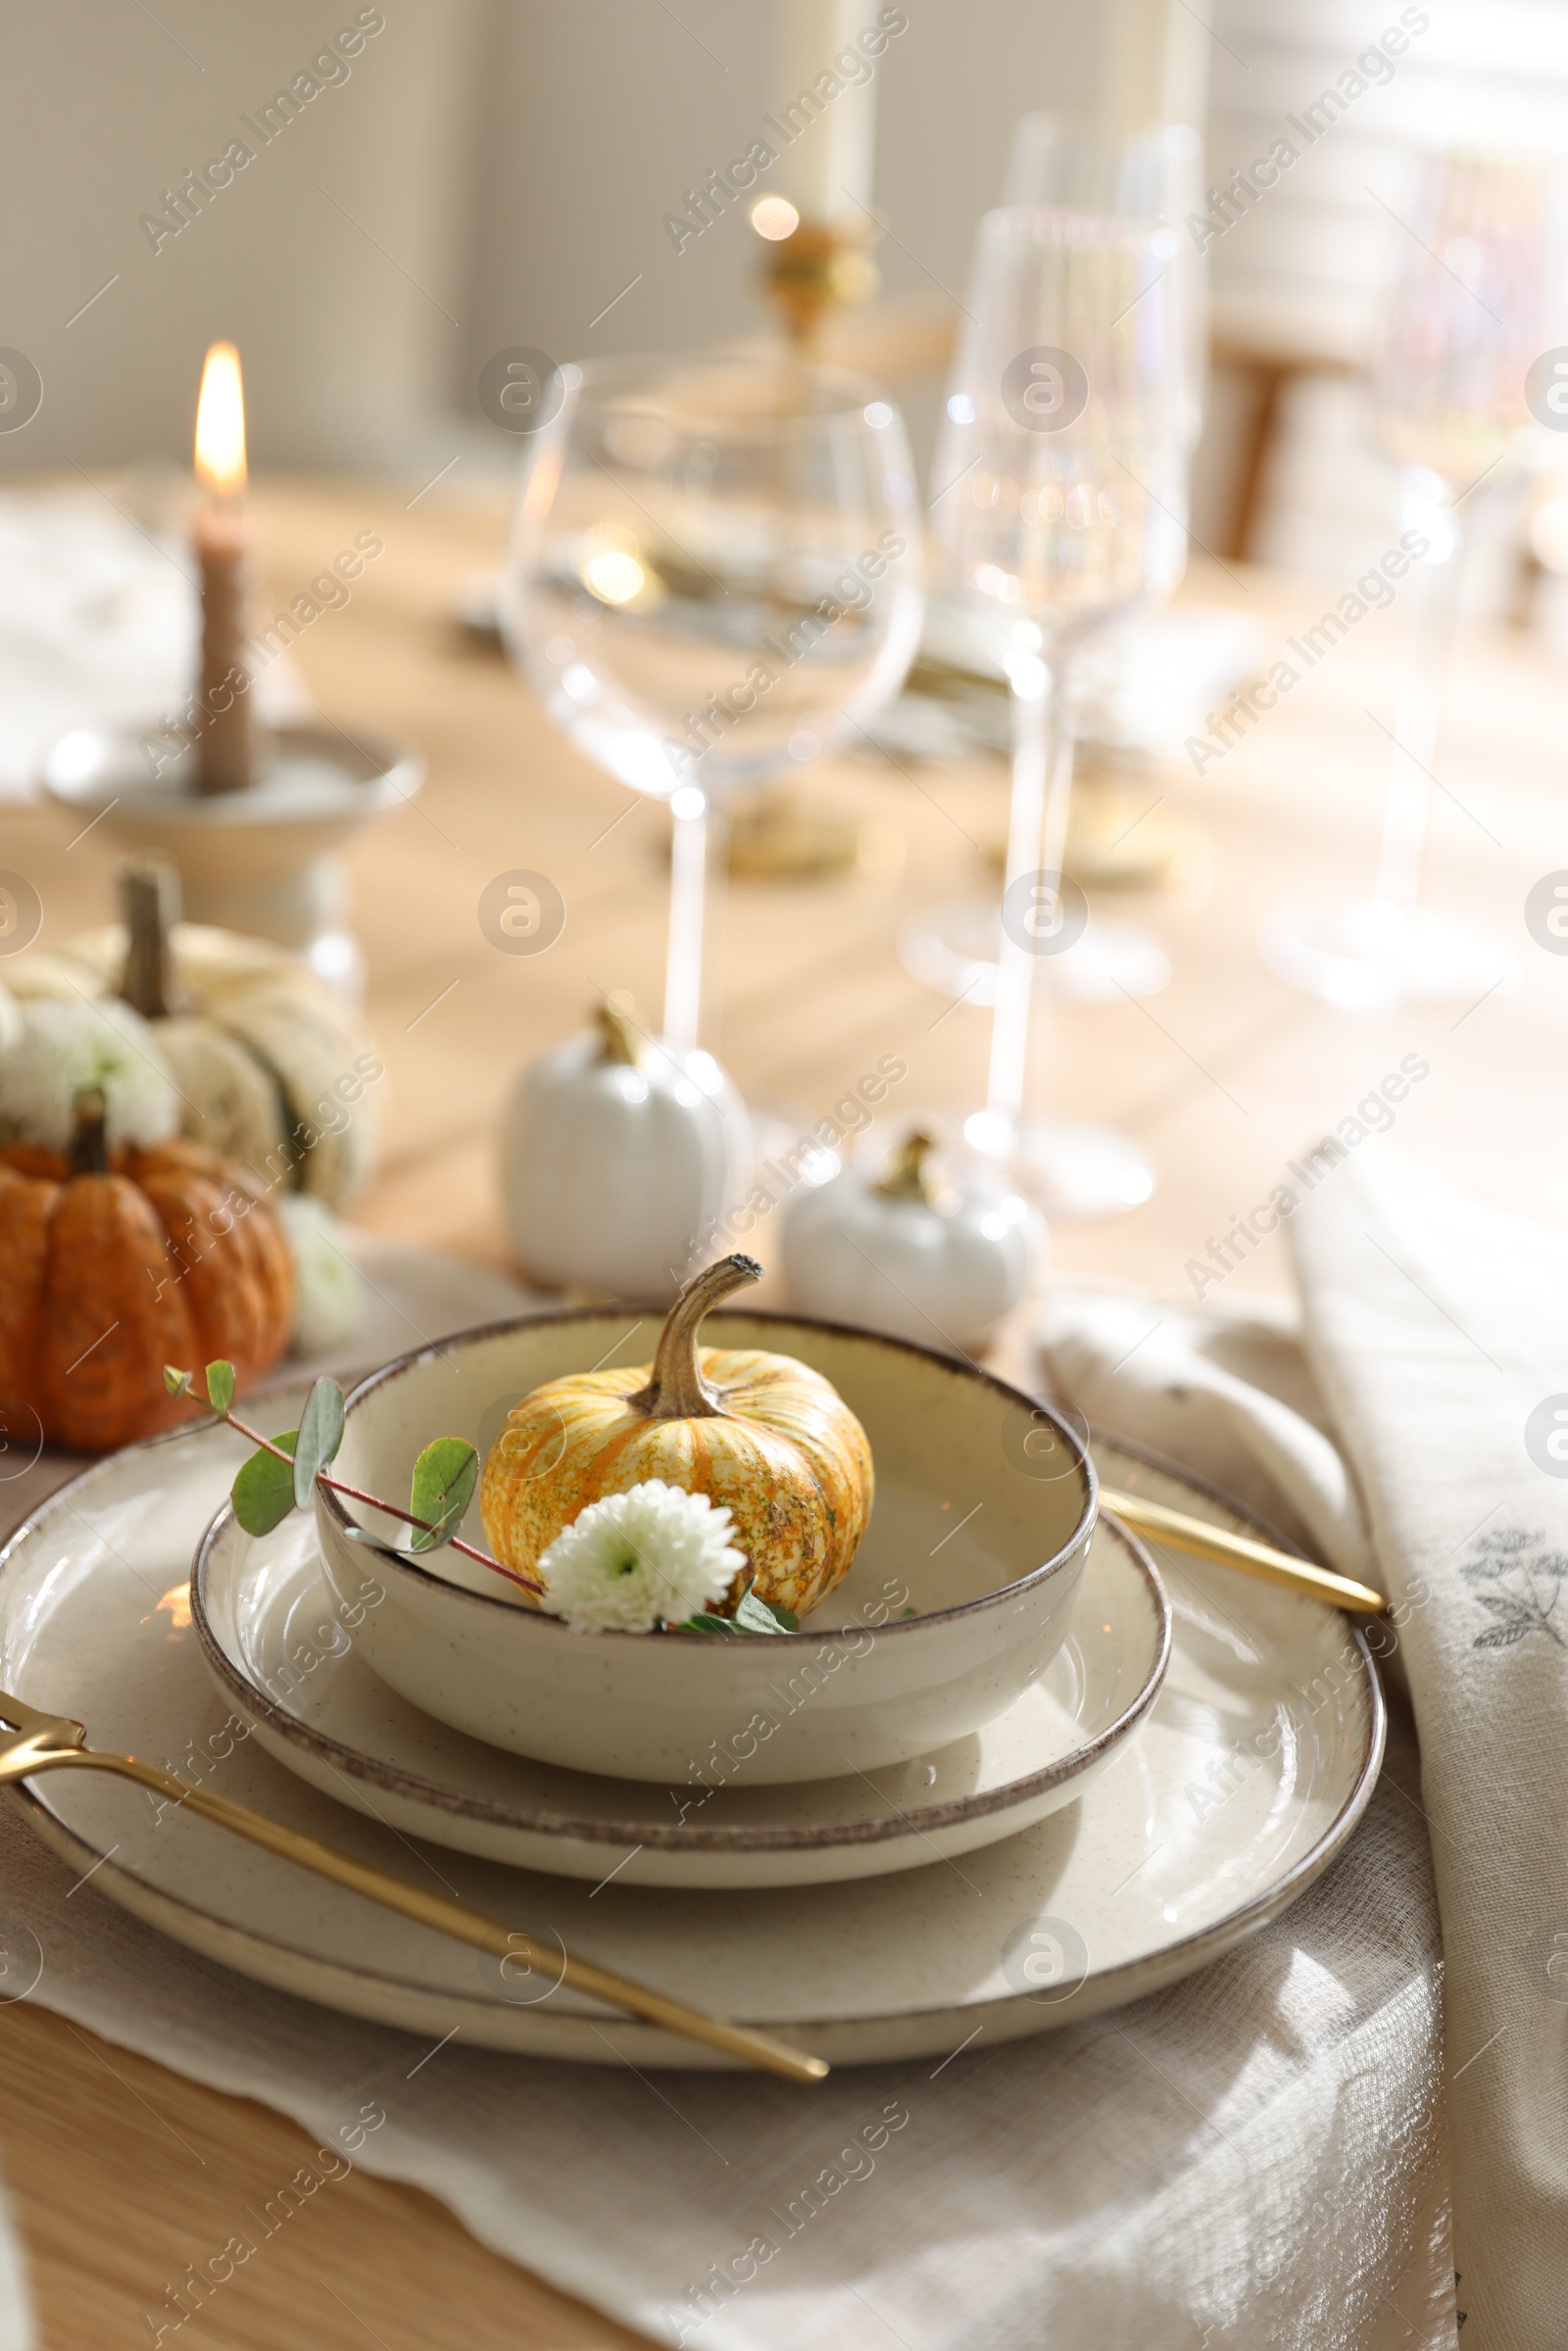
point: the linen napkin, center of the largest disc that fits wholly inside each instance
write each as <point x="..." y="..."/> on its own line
<point x="1248" y="2160"/>
<point x="1425" y="1449"/>
<point x="1438" y="1335"/>
<point x="1227" y="1393"/>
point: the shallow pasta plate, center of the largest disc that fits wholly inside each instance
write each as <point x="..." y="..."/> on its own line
<point x="284" y="1652"/>
<point x="1250" y="1771"/>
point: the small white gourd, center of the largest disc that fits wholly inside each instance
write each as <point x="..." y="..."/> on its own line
<point x="620" y="1156"/>
<point x="892" y="1254"/>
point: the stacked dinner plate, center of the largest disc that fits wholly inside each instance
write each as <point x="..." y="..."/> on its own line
<point x="1009" y="1773"/>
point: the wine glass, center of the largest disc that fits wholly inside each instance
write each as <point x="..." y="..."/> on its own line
<point x="1465" y="321"/>
<point x="713" y="577"/>
<point x="1156" y="177"/>
<point x="1058" y="502"/>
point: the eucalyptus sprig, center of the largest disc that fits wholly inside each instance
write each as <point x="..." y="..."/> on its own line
<point x="282" y="1473"/>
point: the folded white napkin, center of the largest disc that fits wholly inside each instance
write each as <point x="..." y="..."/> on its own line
<point x="1247" y="2159"/>
<point x="1425" y="1449"/>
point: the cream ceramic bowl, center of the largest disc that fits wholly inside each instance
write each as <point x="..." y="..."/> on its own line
<point x="959" y="1596"/>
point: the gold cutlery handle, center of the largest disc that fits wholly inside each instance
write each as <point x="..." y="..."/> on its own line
<point x="455" y="1919"/>
<point x="1260" y="1559"/>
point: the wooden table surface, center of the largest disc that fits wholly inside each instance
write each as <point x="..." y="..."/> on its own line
<point x="120" y="2171"/>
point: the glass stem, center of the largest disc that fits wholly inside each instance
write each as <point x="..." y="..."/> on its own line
<point x="1416" y="728"/>
<point x="1037" y="834"/>
<point x="697" y="851"/>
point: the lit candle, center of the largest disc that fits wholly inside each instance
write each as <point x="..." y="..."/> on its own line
<point x="828" y="139"/>
<point x="225" y="758"/>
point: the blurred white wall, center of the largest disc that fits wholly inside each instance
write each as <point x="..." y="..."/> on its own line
<point x="488" y="172"/>
<point x="347" y="348"/>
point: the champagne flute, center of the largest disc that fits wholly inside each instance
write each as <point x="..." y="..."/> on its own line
<point x="1465" y="321"/>
<point x="1058" y="502"/>
<point x="713" y="577"/>
<point x="1156" y="176"/>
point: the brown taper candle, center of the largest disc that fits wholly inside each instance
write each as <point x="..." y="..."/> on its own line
<point x="225" y="741"/>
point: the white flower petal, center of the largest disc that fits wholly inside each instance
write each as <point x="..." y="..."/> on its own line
<point x="652" y="1554"/>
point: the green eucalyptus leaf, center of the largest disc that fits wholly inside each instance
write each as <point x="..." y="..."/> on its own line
<point x="320" y="1435"/>
<point x="177" y="1382"/>
<point x="264" y="1491"/>
<point x="752" y="1615"/>
<point x="221" y="1386"/>
<point x="439" y="1532"/>
<point x="444" y="1479"/>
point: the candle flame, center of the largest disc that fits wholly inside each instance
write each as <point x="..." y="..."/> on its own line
<point x="220" y="422"/>
<point x="775" y="218"/>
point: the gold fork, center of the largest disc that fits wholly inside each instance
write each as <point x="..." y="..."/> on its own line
<point x="46" y="1742"/>
<point x="1253" y="1558"/>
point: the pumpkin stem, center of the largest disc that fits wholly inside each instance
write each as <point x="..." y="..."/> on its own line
<point x="618" y="1027"/>
<point x="904" y="1177"/>
<point x="678" y="1390"/>
<point x="89" y="1143"/>
<point x="149" y="893"/>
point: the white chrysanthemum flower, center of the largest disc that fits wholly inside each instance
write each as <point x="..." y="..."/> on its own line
<point x="635" y="1559"/>
<point x="66" y="1047"/>
<point x="328" y="1287"/>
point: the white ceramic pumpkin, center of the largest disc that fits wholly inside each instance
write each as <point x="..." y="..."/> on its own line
<point x="940" y="1266"/>
<point x="620" y="1156"/>
<point x="272" y="1068"/>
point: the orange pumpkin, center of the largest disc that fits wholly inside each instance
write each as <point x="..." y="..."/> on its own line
<point x="113" y="1265"/>
<point x="762" y="1433"/>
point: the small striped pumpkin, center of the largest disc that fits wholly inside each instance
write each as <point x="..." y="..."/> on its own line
<point x="761" y="1433"/>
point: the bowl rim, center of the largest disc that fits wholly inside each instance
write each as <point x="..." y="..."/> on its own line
<point x="434" y="1349"/>
<point x="701" y="1837"/>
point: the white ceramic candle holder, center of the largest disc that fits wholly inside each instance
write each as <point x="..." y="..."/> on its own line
<point x="259" y="861"/>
